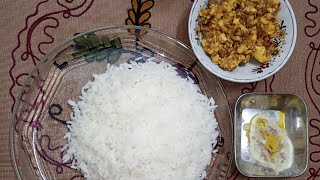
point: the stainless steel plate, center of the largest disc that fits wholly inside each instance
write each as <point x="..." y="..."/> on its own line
<point x="295" y="113"/>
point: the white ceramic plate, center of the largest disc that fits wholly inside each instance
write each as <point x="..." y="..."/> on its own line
<point x="252" y="71"/>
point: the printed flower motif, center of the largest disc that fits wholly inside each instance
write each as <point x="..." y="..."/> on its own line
<point x="266" y="65"/>
<point x="262" y="67"/>
<point x="282" y="26"/>
<point x="258" y="70"/>
<point x="139" y="14"/>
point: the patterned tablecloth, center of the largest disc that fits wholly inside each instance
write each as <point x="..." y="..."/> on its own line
<point x="29" y="28"/>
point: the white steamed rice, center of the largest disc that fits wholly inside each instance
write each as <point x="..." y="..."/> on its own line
<point x="141" y="121"/>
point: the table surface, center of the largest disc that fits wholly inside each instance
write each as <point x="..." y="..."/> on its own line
<point x="30" y="28"/>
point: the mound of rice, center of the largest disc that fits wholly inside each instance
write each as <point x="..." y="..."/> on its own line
<point x="141" y="121"/>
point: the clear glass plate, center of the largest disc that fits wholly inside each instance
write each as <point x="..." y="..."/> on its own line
<point x="38" y="120"/>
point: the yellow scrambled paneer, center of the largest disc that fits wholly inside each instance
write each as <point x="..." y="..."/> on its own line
<point x="235" y="30"/>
